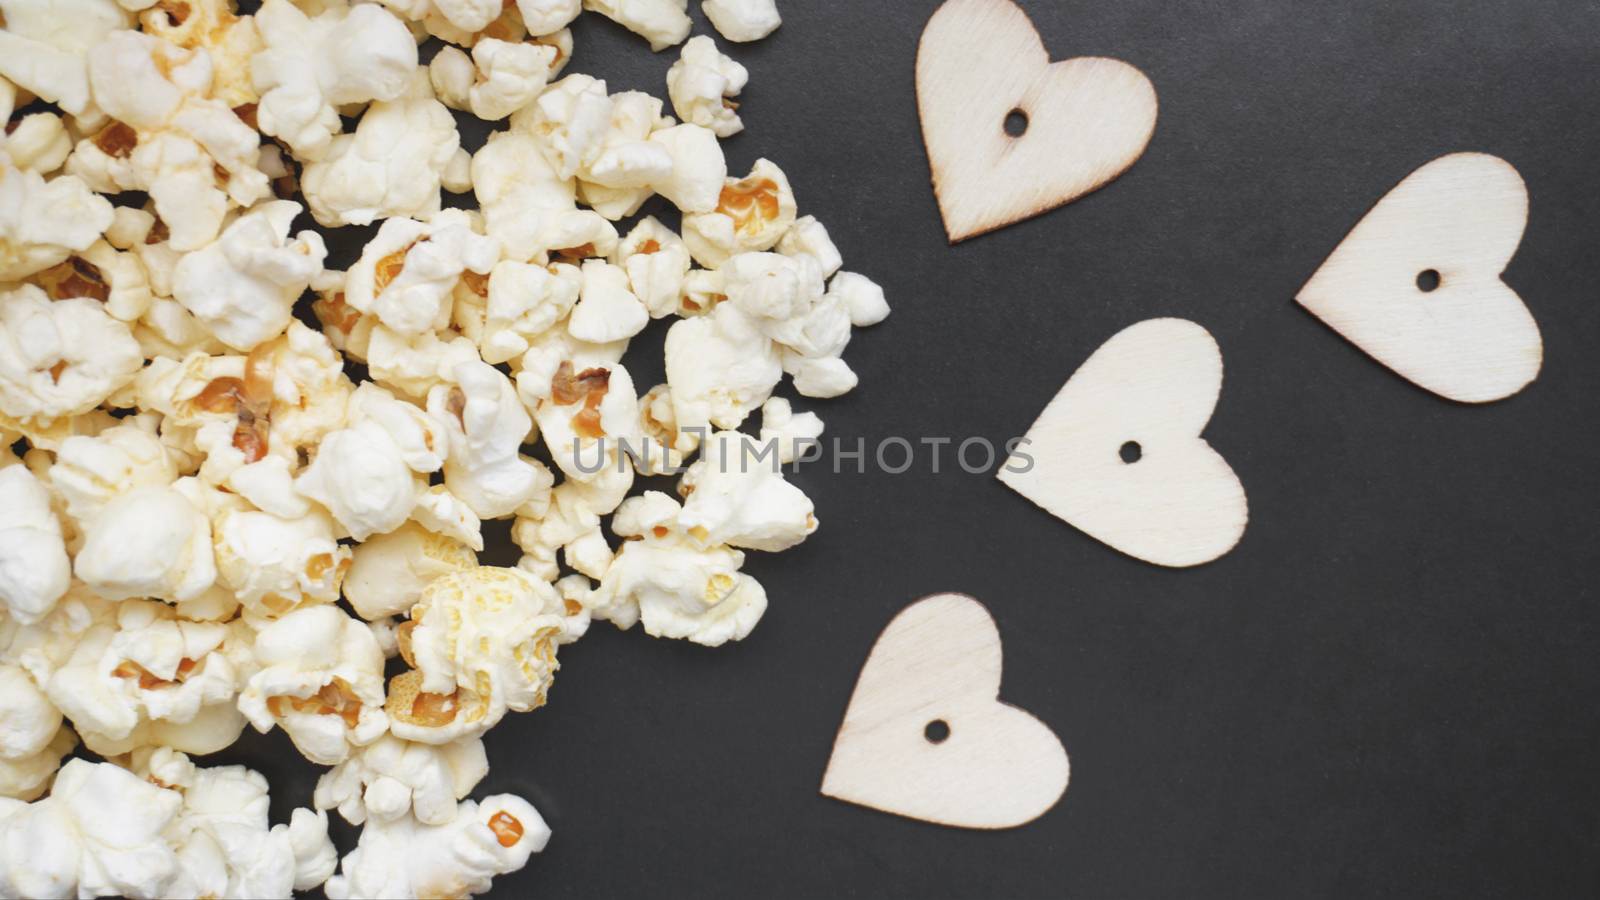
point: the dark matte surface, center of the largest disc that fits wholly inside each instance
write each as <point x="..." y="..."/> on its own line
<point x="1388" y="689"/>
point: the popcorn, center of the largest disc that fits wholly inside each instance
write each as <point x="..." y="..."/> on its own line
<point x="455" y="19"/>
<point x="407" y="859"/>
<point x="391" y="779"/>
<point x="98" y="833"/>
<point x="406" y="275"/>
<point x="212" y="24"/>
<point x="243" y="285"/>
<point x="862" y="297"/>
<point x="367" y="474"/>
<point x="483" y="642"/>
<point x="698" y="167"/>
<point x="390" y="166"/>
<point x="487" y="425"/>
<point x="313" y="65"/>
<point x="509" y="76"/>
<point x="117" y="280"/>
<point x="42" y="222"/>
<point x="661" y="22"/>
<point x="527" y="206"/>
<point x="810" y="237"/>
<point x="39" y="142"/>
<point x="34" y="570"/>
<point x="222" y="837"/>
<point x="738" y="498"/>
<point x="388" y="572"/>
<point x="321" y="680"/>
<point x="43" y="46"/>
<point x="720" y="367"/>
<point x="274" y="565"/>
<point x="60" y="358"/>
<point x="743" y="20"/>
<point x="823" y="378"/>
<point x="411" y="365"/>
<point x="543" y="17"/>
<point x="788" y="430"/>
<point x="149" y="542"/>
<point x="700" y="83"/>
<point x="443" y="513"/>
<point x="608" y="310"/>
<point x="168" y="136"/>
<point x="520" y="302"/>
<point x="678" y="587"/>
<point x="29" y="726"/>
<point x="150" y="678"/>
<point x="752" y="214"/>
<point x="664" y="445"/>
<point x="657" y="263"/>
<point x="588" y="417"/>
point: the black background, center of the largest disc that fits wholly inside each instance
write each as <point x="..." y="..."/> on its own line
<point x="1387" y="689"/>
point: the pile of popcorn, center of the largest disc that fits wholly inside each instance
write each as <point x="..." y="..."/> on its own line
<point x="207" y="524"/>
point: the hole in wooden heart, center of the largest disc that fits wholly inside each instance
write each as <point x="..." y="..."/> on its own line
<point x="1428" y="280"/>
<point x="1131" y="452"/>
<point x="937" y="731"/>
<point x="1016" y="123"/>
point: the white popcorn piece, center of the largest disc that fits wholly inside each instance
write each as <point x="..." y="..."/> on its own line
<point x="487" y="426"/>
<point x="313" y="65"/>
<point x="275" y="565"/>
<point x="700" y="84"/>
<point x="368" y="473"/>
<point x="224" y="844"/>
<point x="608" y="310"/>
<point x="752" y="214"/>
<point x="790" y="431"/>
<point x="444" y="514"/>
<point x="243" y="285"/>
<point x="39" y="142"/>
<point x="60" y="358"/>
<point x="656" y="262"/>
<point x="509" y="76"/>
<point x="321" y="680"/>
<point x="678" y="587"/>
<point x="809" y="236"/>
<point x="149" y="542"/>
<point x="392" y="778"/>
<point x="229" y="39"/>
<point x="150" y="678"/>
<point x="43" y="48"/>
<point x="664" y="445"/>
<point x="588" y="418"/>
<point x="661" y="22"/>
<point x="116" y="279"/>
<point x="34" y="570"/>
<point x="388" y="572"/>
<point x="698" y="167"/>
<point x="545" y="17"/>
<point x="168" y="136"/>
<point x="572" y="117"/>
<point x="483" y="642"/>
<point x="42" y="222"/>
<point x="406" y="859"/>
<point x="406" y="275"/>
<point x="29" y="727"/>
<point x="738" y="496"/>
<point x="570" y="523"/>
<point x="743" y="20"/>
<point x="452" y="74"/>
<point x="390" y="166"/>
<point x="527" y="206"/>
<point x="617" y="180"/>
<point x="702" y="290"/>
<point x="412" y="364"/>
<point x="99" y="833"/>
<point x="862" y="297"/>
<point x="518" y="302"/>
<point x="720" y="367"/>
<point x="822" y="378"/>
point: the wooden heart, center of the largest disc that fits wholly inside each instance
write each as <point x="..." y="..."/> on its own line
<point x="1417" y="283"/>
<point x="1118" y="454"/>
<point x="1087" y="119"/>
<point x="926" y="735"/>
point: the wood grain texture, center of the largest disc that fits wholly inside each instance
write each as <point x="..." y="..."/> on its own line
<point x="1469" y="339"/>
<point x="939" y="659"/>
<point x="1088" y="119"/>
<point x="1155" y="385"/>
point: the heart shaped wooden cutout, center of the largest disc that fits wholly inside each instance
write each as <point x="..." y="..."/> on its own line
<point x="1417" y="283"/>
<point x="1087" y="119"/>
<point x="1118" y="454"/>
<point x="926" y="735"/>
